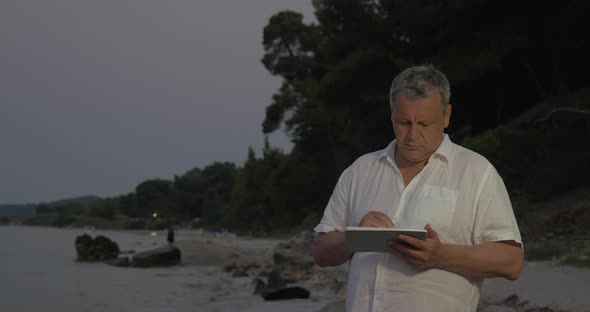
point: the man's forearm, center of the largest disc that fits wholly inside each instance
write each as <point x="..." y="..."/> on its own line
<point x="329" y="249"/>
<point x="491" y="259"/>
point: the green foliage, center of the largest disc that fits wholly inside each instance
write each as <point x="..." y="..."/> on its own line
<point x="487" y="144"/>
<point x="51" y="219"/>
<point x="77" y="201"/>
<point x="105" y="210"/>
<point x="44" y="209"/>
<point x="76" y="221"/>
<point x="154" y="196"/>
<point x="545" y="250"/>
<point x="580" y="262"/>
<point x="128" y="205"/>
<point x="219" y="179"/>
<point x="333" y="103"/>
<point x="540" y="154"/>
<point x="47" y="219"/>
<point x="17" y="211"/>
<point x="557" y="251"/>
<point x="159" y="224"/>
<point x="254" y="206"/>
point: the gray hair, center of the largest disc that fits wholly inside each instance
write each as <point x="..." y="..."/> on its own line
<point x="420" y="82"/>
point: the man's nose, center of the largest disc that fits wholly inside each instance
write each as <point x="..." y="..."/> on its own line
<point x="412" y="132"/>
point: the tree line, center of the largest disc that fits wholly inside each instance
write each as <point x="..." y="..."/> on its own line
<point x="503" y="58"/>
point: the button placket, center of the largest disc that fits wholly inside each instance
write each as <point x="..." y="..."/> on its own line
<point x="408" y="189"/>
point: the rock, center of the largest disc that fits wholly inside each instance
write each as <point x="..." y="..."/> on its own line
<point x="230" y="267"/>
<point x="120" y="262"/>
<point x="276" y="289"/>
<point x="275" y="281"/>
<point x="293" y="258"/>
<point x="286" y="293"/>
<point x="259" y="285"/>
<point x="511" y="300"/>
<point x="98" y="249"/>
<point x="162" y="256"/>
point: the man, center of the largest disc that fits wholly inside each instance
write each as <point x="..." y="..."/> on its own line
<point x="421" y="180"/>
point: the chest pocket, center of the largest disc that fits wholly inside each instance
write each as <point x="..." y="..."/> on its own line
<point x="435" y="205"/>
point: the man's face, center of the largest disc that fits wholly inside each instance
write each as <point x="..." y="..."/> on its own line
<point x="418" y="125"/>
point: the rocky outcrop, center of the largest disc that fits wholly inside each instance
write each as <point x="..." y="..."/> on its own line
<point x="293" y="258"/>
<point x="163" y="256"/>
<point x="566" y="116"/>
<point x="98" y="249"/>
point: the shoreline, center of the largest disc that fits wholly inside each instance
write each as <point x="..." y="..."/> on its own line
<point x="544" y="284"/>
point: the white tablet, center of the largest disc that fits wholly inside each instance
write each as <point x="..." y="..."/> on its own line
<point x="367" y="239"/>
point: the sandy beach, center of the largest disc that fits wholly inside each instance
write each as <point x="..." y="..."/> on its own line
<point x="214" y="252"/>
<point x="219" y="249"/>
<point x="544" y="284"/>
<point x="541" y="285"/>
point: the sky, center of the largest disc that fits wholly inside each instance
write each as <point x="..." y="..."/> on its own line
<point x="99" y="96"/>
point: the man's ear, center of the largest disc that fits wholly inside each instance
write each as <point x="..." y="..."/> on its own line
<point x="447" y="115"/>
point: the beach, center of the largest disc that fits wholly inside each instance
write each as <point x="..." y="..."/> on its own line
<point x="41" y="263"/>
<point x="542" y="285"/>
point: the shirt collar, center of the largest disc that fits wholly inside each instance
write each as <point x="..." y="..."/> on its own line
<point x="443" y="150"/>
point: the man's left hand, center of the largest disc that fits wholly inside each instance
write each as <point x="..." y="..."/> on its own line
<point x="426" y="254"/>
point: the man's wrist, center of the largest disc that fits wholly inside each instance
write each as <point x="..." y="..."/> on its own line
<point x="442" y="256"/>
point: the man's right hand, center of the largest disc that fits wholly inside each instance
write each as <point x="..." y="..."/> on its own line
<point x="376" y="219"/>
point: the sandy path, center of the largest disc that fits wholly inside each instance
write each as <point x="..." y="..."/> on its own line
<point x="201" y="248"/>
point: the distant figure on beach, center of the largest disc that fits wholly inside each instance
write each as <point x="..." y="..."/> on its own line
<point x="171" y="235"/>
<point x="421" y="180"/>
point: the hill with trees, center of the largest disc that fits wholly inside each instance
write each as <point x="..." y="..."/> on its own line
<point x="520" y="96"/>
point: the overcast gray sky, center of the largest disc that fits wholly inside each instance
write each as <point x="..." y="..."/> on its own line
<point x="98" y="96"/>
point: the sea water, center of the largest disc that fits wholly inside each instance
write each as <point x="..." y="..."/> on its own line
<point x="39" y="272"/>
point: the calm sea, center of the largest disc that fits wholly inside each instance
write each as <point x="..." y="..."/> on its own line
<point x="39" y="272"/>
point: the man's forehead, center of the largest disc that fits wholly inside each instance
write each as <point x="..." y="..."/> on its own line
<point x="425" y="106"/>
<point x="430" y="95"/>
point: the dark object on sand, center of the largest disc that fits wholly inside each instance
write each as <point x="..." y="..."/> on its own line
<point x="286" y="293"/>
<point x="276" y="289"/>
<point x="171" y="235"/>
<point x="98" y="249"/>
<point x="162" y="256"/>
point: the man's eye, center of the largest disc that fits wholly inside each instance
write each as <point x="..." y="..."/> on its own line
<point x="424" y="124"/>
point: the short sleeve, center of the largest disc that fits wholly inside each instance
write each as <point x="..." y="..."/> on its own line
<point x="494" y="217"/>
<point x="334" y="218"/>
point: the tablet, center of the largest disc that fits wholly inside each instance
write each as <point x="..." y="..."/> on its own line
<point x="368" y="239"/>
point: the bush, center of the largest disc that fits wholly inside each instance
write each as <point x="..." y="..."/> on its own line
<point x="487" y="144"/>
<point x="545" y="250"/>
<point x="580" y="262"/>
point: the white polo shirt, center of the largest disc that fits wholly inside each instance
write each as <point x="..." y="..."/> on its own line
<point x="458" y="192"/>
